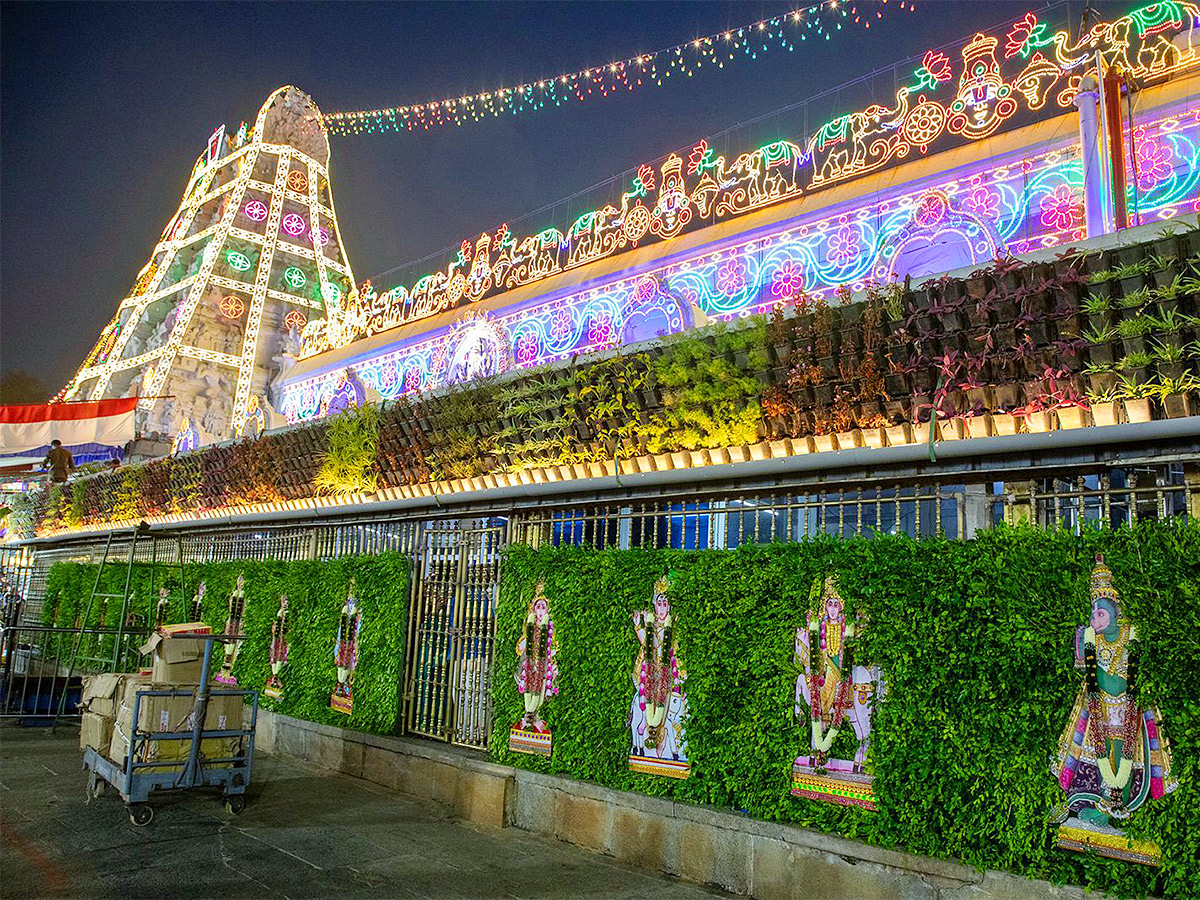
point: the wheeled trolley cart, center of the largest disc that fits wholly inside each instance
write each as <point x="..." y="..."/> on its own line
<point x="138" y="774"/>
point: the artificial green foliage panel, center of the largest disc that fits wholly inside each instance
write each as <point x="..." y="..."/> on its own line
<point x="316" y="591"/>
<point x="975" y="639"/>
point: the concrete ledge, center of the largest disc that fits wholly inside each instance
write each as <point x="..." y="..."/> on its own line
<point x="697" y="843"/>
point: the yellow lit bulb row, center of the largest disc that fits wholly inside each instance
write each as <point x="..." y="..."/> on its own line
<point x="681" y="61"/>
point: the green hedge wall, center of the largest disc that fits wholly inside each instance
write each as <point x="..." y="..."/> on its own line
<point x="316" y="591"/>
<point x="976" y="642"/>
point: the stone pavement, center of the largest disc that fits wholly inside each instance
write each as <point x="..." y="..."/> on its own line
<point x="304" y="833"/>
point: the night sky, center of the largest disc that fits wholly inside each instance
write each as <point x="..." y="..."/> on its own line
<point x="104" y="108"/>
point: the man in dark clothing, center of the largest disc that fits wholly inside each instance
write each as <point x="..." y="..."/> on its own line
<point x="60" y="462"/>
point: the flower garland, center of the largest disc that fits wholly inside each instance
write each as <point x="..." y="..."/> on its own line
<point x="1102" y="732"/>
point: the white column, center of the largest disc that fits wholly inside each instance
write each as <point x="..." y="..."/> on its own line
<point x="1088" y="100"/>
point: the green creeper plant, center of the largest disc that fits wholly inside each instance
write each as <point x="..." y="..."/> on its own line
<point x="348" y="466"/>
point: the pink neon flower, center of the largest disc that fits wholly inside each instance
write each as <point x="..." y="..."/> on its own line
<point x="561" y="323"/>
<point x="527" y="348"/>
<point x="843" y="245"/>
<point x="1153" y="163"/>
<point x="731" y="277"/>
<point x="600" y="328"/>
<point x="412" y="378"/>
<point x="645" y="290"/>
<point x="1062" y="209"/>
<point x="788" y="280"/>
<point x="983" y="203"/>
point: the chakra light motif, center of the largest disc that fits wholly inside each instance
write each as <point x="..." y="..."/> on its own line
<point x="320" y="236"/>
<point x="295" y="319"/>
<point x="239" y="262"/>
<point x="331" y="293"/>
<point x="231" y="306"/>
<point x="294" y="278"/>
<point x="256" y="210"/>
<point x="297" y="180"/>
<point x="294" y="224"/>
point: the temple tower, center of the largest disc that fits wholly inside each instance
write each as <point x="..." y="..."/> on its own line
<point x="252" y="254"/>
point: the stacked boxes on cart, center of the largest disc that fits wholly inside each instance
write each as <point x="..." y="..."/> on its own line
<point x="176" y="659"/>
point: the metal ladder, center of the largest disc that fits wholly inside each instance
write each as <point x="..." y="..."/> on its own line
<point x="142" y="533"/>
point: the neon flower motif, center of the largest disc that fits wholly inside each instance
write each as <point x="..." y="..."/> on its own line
<point x="1026" y="34"/>
<point x="1062" y="209"/>
<point x="255" y="210"/>
<point x="527" y="348"/>
<point x="984" y="203"/>
<point x="412" y="377"/>
<point x="332" y="293"/>
<point x="295" y="319"/>
<point x="600" y="327"/>
<point x="731" y="277"/>
<point x="320" y="236"/>
<point x="788" y="280"/>
<point x="645" y="290"/>
<point x="293" y="224"/>
<point x="1153" y="163"/>
<point x="294" y="278"/>
<point x="561" y="323"/>
<point x="843" y="245"/>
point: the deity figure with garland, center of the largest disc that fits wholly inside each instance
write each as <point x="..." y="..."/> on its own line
<point x="1113" y="755"/>
<point x="278" y="650"/>
<point x="536" y="676"/>
<point x="233" y="627"/>
<point x="658" y="712"/>
<point x="345" y="653"/>
<point x="836" y="688"/>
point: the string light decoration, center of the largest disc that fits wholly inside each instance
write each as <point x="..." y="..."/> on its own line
<point x="1014" y="205"/>
<point x="819" y="21"/>
<point x="208" y="264"/>
<point x="951" y="99"/>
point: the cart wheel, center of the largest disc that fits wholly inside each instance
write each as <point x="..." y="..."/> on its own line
<point x="141" y="814"/>
<point x="234" y="804"/>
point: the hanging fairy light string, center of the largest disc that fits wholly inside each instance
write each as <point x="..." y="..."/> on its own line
<point x="817" y="22"/>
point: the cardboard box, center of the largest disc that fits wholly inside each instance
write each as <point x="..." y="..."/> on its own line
<point x="173" y="714"/>
<point x="184" y="628"/>
<point x="95" y="731"/>
<point x="102" y="693"/>
<point x="186" y="672"/>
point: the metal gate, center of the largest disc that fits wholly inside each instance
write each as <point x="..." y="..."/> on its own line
<point x="452" y="627"/>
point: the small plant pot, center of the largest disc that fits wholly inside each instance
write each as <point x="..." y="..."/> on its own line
<point x="1100" y="354"/>
<point x="1106" y="413"/>
<point x="825" y="443"/>
<point x="1132" y="284"/>
<point x="1138" y="409"/>
<point x="1004" y="424"/>
<point x="979" y="426"/>
<point x="849" y="440"/>
<point x="954" y="429"/>
<point x="663" y="462"/>
<point x="875" y="438"/>
<point x="627" y="466"/>
<point x="1133" y="345"/>
<point x="780" y="448"/>
<point x="899" y="435"/>
<point x="1074" y="417"/>
<point x="738" y="453"/>
<point x="1039" y="422"/>
<point x="1177" y="406"/>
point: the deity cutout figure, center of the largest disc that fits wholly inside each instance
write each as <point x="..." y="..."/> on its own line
<point x="984" y="99"/>
<point x="162" y="609"/>
<point x="233" y="627"/>
<point x="1113" y="755"/>
<point x="658" y="712"/>
<point x="345" y="653"/>
<point x="836" y="688"/>
<point x="197" y="608"/>
<point x="536" y="676"/>
<point x="278" y="650"/>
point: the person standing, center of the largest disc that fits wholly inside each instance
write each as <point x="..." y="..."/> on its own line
<point x="59" y="461"/>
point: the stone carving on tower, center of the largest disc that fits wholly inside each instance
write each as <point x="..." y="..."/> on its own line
<point x="253" y="254"/>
